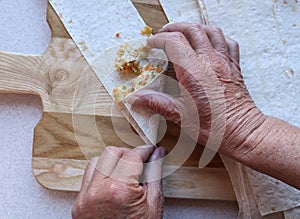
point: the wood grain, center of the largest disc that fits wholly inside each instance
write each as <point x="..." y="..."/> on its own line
<point x="80" y="119"/>
<point x="148" y="2"/>
<point x="78" y="136"/>
<point x="56" y="25"/>
<point x="207" y="183"/>
<point x="61" y="77"/>
<point x="152" y="13"/>
<point x="195" y="183"/>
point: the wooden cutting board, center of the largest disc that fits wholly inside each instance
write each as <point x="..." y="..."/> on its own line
<point x="64" y="139"/>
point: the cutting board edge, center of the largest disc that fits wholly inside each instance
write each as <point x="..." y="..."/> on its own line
<point x="202" y="189"/>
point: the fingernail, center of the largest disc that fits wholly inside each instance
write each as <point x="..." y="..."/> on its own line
<point x="162" y="151"/>
<point x="166" y="25"/>
<point x="132" y="98"/>
<point x="146" y="146"/>
<point x="157" y="154"/>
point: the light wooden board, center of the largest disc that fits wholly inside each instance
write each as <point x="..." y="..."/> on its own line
<point x="207" y="183"/>
<point x="64" y="138"/>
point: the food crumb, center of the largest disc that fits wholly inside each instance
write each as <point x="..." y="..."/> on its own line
<point x="83" y="46"/>
<point x="70" y="21"/>
<point x="292" y="72"/>
<point x="128" y="61"/>
<point x="147" y="31"/>
<point x="118" y="35"/>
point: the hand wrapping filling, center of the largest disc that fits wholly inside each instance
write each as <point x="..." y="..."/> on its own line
<point x="129" y="56"/>
<point x="128" y="61"/>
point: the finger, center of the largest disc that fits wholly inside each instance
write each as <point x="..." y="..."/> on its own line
<point x="106" y="164"/>
<point x="157" y="103"/>
<point x="153" y="175"/>
<point x="87" y="177"/>
<point x="176" y="46"/>
<point x="153" y="169"/>
<point x="88" y="174"/>
<point x="101" y="168"/>
<point x="233" y="49"/>
<point x="130" y="166"/>
<point x="194" y="33"/>
<point x="216" y="37"/>
<point x="185" y="60"/>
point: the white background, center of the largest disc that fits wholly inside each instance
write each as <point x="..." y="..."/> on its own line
<point x="23" y="29"/>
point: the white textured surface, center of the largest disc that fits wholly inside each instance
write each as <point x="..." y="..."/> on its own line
<point x="269" y="36"/>
<point x="268" y="33"/>
<point x="20" y="195"/>
<point x="272" y="195"/>
<point x="90" y="27"/>
<point x="181" y="10"/>
<point x="23" y="29"/>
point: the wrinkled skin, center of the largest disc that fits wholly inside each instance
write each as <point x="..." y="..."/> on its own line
<point x="207" y="66"/>
<point x="111" y="188"/>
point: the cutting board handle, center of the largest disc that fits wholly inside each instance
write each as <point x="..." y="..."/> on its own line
<point x="21" y="73"/>
<point x="56" y="76"/>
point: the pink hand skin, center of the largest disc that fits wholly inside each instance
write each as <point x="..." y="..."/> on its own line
<point x="111" y="188"/>
<point x="207" y="66"/>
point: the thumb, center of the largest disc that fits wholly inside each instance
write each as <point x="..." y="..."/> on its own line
<point x="153" y="176"/>
<point x="157" y="103"/>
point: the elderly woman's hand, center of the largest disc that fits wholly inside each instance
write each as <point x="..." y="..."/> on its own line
<point x="206" y="64"/>
<point x="111" y="185"/>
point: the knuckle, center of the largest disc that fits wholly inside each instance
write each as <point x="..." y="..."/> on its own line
<point x="218" y="66"/>
<point x="78" y="208"/>
<point x="232" y="43"/>
<point x="132" y="156"/>
<point x="77" y="211"/>
<point x="112" y="148"/>
<point x="235" y="44"/>
<point x="195" y="26"/>
<point x="91" y="198"/>
<point x="196" y="29"/>
<point x="177" y="36"/>
<point x="117" y="151"/>
<point x="114" y="188"/>
<point x="94" y="160"/>
<point x="74" y="211"/>
<point x="115" y="192"/>
<point x="218" y="30"/>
